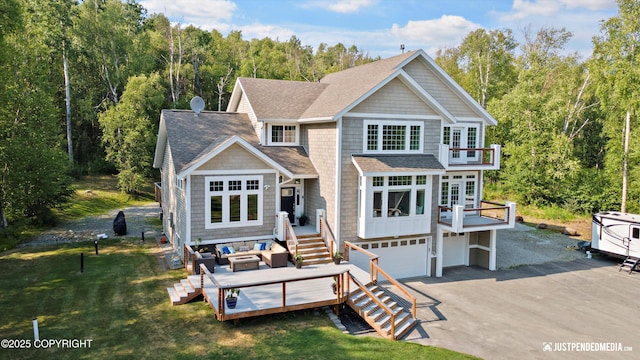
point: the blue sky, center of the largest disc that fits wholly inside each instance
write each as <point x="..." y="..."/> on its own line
<point x="378" y="27"/>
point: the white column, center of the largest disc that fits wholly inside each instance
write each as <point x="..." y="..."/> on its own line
<point x="492" y="251"/>
<point x="282" y="215"/>
<point x="429" y="249"/>
<point x="466" y="249"/>
<point x="439" y="253"/>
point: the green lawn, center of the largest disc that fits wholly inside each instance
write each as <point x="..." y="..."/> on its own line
<point x="120" y="303"/>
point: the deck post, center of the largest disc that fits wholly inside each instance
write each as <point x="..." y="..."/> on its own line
<point x="439" y="244"/>
<point x="492" y="250"/>
<point x="284" y="296"/>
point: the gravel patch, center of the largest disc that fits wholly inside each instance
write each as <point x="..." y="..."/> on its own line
<point x="526" y="245"/>
<point x="138" y="221"/>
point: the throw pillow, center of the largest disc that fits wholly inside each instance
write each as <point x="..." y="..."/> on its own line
<point x="243" y="248"/>
<point x="267" y="244"/>
<point x="263" y="246"/>
<point x="225" y="250"/>
<point x="257" y="246"/>
<point x="232" y="250"/>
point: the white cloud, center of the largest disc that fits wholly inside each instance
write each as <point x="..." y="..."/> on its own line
<point x="190" y="11"/>
<point x="523" y="9"/>
<point x="593" y="5"/>
<point x="260" y="31"/>
<point x="340" y="6"/>
<point x="444" y="31"/>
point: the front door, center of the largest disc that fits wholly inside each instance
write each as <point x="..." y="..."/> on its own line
<point x="288" y="202"/>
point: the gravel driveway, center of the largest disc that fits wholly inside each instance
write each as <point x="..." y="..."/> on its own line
<point x="138" y="220"/>
<point x="526" y="245"/>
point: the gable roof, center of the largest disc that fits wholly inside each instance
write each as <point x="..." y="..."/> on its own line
<point x="339" y="92"/>
<point x="278" y="99"/>
<point x="193" y="140"/>
<point x="348" y="87"/>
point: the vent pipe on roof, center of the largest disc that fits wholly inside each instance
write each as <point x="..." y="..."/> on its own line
<point x="197" y="105"/>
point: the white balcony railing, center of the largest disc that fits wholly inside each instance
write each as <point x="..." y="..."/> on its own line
<point x="470" y="158"/>
<point x="488" y="216"/>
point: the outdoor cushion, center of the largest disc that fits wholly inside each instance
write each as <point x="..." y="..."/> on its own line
<point x="231" y="249"/>
<point x="225" y="250"/>
<point x="263" y="246"/>
<point x="257" y="246"/>
<point x="267" y="245"/>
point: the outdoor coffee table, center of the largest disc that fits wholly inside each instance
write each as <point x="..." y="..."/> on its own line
<point x="239" y="263"/>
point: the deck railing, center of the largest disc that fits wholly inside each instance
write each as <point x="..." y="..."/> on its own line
<point x="291" y="240"/>
<point x="384" y="307"/>
<point x="375" y="270"/>
<point x="327" y="236"/>
<point x="189" y="259"/>
<point x="500" y="214"/>
<point x="457" y="157"/>
<point x="221" y="291"/>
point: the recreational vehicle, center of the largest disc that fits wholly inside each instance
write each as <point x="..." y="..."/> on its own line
<point x="617" y="234"/>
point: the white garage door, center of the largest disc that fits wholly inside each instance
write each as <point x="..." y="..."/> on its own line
<point x="398" y="258"/>
<point x="453" y="249"/>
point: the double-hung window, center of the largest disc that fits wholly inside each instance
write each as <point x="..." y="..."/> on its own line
<point x="283" y="134"/>
<point x="232" y="201"/>
<point x="393" y="136"/>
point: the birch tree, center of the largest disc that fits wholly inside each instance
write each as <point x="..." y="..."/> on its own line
<point x="616" y="68"/>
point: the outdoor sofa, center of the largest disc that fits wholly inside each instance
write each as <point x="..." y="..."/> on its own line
<point x="272" y="253"/>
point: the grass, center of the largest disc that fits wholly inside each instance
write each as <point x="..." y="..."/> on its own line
<point x="93" y="195"/>
<point x="120" y="303"/>
<point x="97" y="195"/>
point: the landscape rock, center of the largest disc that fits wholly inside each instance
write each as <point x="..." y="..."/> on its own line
<point x="542" y="226"/>
<point x="570" y="231"/>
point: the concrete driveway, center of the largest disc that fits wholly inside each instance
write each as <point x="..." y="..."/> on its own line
<point x="514" y="313"/>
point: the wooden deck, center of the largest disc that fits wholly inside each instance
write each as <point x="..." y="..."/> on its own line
<point x="267" y="291"/>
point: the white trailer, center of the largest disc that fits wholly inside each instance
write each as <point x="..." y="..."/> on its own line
<point x="616" y="233"/>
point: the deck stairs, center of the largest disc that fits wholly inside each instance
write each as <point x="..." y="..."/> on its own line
<point x="632" y="263"/>
<point x="313" y="250"/>
<point x="185" y="291"/>
<point x="377" y="318"/>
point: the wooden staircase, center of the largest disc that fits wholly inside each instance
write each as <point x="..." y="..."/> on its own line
<point x="379" y="319"/>
<point x="185" y="291"/>
<point x="631" y="263"/>
<point x="313" y="250"/>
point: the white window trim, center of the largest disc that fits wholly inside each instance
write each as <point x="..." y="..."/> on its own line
<point x="462" y="189"/>
<point x="382" y="123"/>
<point x="464" y="134"/>
<point x="225" y="193"/>
<point x="270" y="131"/>
<point x="413" y="188"/>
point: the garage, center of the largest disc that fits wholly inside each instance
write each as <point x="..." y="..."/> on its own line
<point x="400" y="258"/>
<point x="454" y="249"/>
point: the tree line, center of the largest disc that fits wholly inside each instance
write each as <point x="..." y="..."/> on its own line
<point x="84" y="83"/>
<point x="565" y="124"/>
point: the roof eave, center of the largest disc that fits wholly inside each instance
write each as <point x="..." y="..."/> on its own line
<point x="226" y="144"/>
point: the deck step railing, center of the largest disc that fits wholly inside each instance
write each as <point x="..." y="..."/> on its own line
<point x="379" y="310"/>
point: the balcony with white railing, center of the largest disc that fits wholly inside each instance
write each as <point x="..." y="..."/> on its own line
<point x="489" y="216"/>
<point x="470" y="158"/>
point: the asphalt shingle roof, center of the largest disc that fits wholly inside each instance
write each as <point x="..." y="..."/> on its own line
<point x="406" y="163"/>
<point x="283" y="99"/>
<point x="192" y="138"/>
